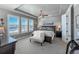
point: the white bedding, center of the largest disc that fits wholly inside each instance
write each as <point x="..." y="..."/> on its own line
<point x="47" y="33"/>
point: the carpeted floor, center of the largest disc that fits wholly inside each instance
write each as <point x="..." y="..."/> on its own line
<point x="25" y="47"/>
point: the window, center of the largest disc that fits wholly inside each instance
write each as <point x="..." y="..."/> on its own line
<point x="13" y="24"/>
<point x="31" y="25"/>
<point x="24" y="24"/>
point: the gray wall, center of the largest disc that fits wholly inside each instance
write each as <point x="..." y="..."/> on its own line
<point x="55" y="20"/>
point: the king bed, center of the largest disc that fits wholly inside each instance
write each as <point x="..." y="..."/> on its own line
<point x="45" y="34"/>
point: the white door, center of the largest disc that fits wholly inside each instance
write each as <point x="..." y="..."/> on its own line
<point x="68" y="28"/>
<point x="64" y="28"/>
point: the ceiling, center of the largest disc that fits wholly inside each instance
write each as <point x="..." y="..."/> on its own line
<point x="9" y="6"/>
<point x="34" y="9"/>
<point x="50" y="9"/>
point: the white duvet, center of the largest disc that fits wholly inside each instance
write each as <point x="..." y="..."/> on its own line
<point x="49" y="34"/>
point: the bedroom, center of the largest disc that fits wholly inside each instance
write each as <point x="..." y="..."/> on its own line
<point x="35" y="28"/>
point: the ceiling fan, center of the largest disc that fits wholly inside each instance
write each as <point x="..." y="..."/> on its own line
<point x="42" y="13"/>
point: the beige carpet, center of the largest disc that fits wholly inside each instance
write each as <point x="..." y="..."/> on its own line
<point x="25" y="47"/>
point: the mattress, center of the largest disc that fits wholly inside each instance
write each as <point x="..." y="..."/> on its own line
<point x="46" y="33"/>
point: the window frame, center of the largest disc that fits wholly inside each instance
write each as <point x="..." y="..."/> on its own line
<point x="32" y="25"/>
<point x="18" y="20"/>
<point x="26" y="24"/>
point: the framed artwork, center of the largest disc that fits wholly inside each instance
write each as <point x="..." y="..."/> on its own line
<point x="77" y="21"/>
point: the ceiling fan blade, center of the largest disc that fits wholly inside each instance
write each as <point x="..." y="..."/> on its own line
<point x="45" y="15"/>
